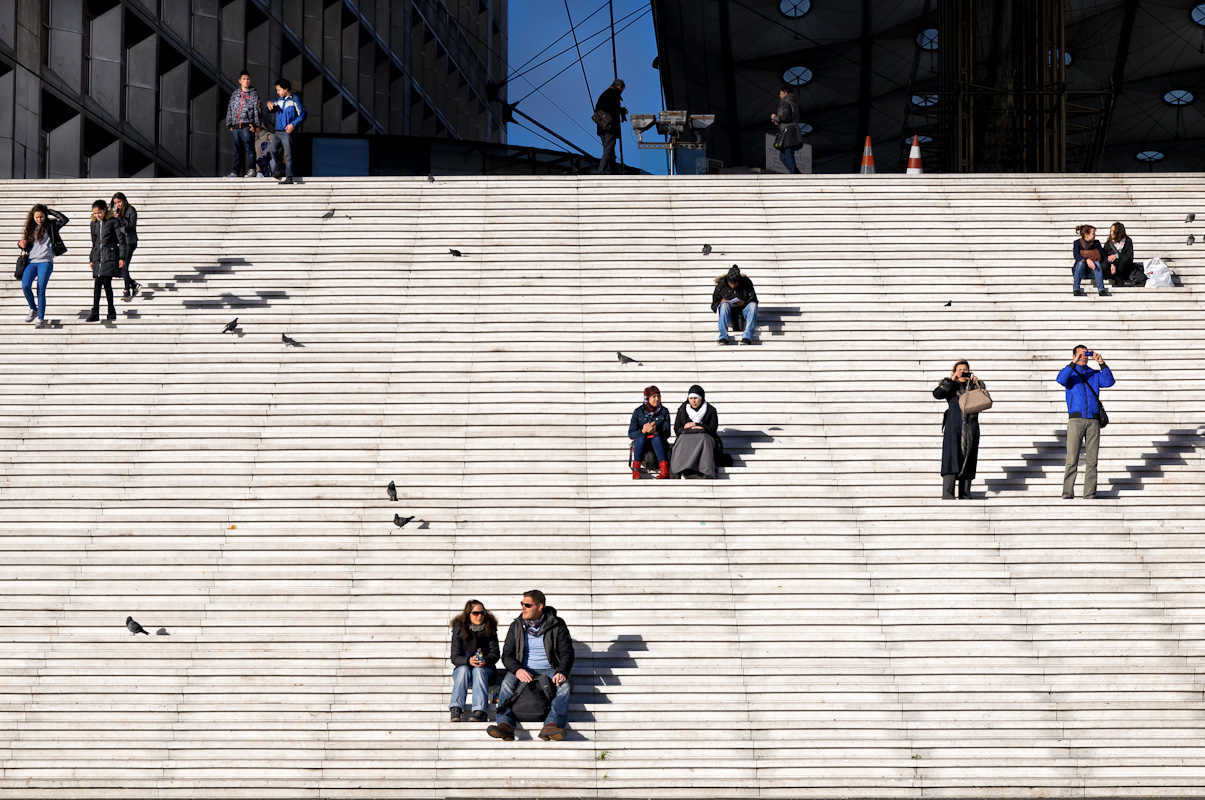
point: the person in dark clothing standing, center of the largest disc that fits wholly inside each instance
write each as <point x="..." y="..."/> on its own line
<point x="474" y="655"/>
<point x="608" y="114"/>
<point x="734" y="301"/>
<point x="103" y="258"/>
<point x="538" y="641"/>
<point x="960" y="432"/>
<point x="787" y="119"/>
<point x="127" y="242"/>
<point x="243" y="119"/>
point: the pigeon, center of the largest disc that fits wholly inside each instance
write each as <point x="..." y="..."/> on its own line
<point x="401" y="521"/>
<point x="133" y="627"/>
<point x="289" y="340"/>
<point x="455" y="253"/>
<point x="706" y="249"/>
<point x="430" y="179"/>
<point x="392" y="489"/>
<point x="329" y="215"/>
<point x="162" y="632"/>
<point x="1190" y="218"/>
<point x="949" y="303"/>
<point x="231" y="326"/>
<point x="625" y="360"/>
<point x="1191" y="240"/>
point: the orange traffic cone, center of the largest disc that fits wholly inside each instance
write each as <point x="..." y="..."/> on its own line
<point x="867" y="159"/>
<point x="914" y="167"/>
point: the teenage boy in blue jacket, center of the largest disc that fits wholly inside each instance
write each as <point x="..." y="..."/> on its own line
<point x="1083" y="385"/>
<point x="290" y="113"/>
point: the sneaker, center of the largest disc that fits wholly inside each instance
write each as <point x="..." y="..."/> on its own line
<point x="480" y="716"/>
<point x="746" y="341"/>
<point x="1068" y="497"/>
<point x="722" y="342"/>
<point x="31" y="316"/>
<point x="41" y="323"/>
<point x="288" y="181"/>
<point x="1077" y="292"/>
<point x="457" y="713"/>
<point x="501" y="731"/>
<point x="552" y="732"/>
<point x="250" y="174"/>
<point x="232" y="175"/>
<point x="1103" y="293"/>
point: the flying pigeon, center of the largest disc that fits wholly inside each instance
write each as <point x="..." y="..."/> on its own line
<point x="706" y="249"/>
<point x="1190" y="217"/>
<point x="392" y="489"/>
<point x="133" y="627"/>
<point x="231" y="326"/>
<point x="162" y="632"/>
<point x="1191" y="240"/>
<point x="329" y="215"/>
<point x="625" y="360"/>
<point x="401" y="521"/>
<point x="289" y="340"/>
<point x="455" y="253"/>
<point x="949" y="302"/>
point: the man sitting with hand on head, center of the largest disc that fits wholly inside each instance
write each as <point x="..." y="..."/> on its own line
<point x="538" y="642"/>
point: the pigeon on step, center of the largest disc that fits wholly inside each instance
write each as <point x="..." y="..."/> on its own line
<point x="1191" y="240"/>
<point x="162" y="632"/>
<point x="133" y="627"/>
<point x="626" y="360"/>
<point x="392" y="489"/>
<point x="290" y="341"/>
<point x="401" y="521"/>
<point x="329" y="215"/>
<point x="430" y="179"/>
<point x="706" y="249"/>
<point x="231" y="326"/>
<point x="949" y="302"/>
<point x="1190" y="218"/>
<point x="455" y="253"/>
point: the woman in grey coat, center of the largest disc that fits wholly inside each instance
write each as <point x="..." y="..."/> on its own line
<point x="787" y="119"/>
<point x="960" y="432"/>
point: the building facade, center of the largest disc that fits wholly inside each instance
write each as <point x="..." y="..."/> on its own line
<point x="138" y="88"/>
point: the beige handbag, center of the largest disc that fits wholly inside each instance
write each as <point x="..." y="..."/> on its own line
<point x="975" y="400"/>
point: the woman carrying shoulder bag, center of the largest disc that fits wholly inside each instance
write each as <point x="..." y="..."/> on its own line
<point x="41" y="240"/>
<point x="960" y="432"/>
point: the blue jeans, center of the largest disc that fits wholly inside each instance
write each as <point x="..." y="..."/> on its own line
<point x="559" y="713"/>
<point x="787" y="155"/>
<point x="641" y="440"/>
<point x="481" y="686"/>
<point x="42" y="271"/>
<point x="284" y="140"/>
<point x="243" y="142"/>
<point x="725" y="319"/>
<point x="1081" y="267"/>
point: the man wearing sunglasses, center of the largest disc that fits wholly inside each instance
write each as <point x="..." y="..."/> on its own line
<point x="538" y="642"/>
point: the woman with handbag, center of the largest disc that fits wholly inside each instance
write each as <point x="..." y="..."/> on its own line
<point x="41" y="242"/>
<point x="789" y="139"/>
<point x="960" y="430"/>
<point x="103" y="259"/>
<point x="1087" y="254"/>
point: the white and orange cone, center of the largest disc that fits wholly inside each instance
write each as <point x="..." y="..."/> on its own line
<point x="867" y="159"/>
<point x="914" y="167"/>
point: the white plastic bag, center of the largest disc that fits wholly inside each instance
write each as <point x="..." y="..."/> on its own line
<point x="1157" y="273"/>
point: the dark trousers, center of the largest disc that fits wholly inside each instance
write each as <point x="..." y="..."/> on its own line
<point x="128" y="280"/>
<point x="638" y="444"/>
<point x="606" y="164"/>
<point x="284" y="141"/>
<point x="107" y="283"/>
<point x="243" y="142"/>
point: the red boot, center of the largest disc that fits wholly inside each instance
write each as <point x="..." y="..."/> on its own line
<point x="664" y="471"/>
<point x="635" y="470"/>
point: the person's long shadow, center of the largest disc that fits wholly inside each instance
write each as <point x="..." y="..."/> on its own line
<point x="1046" y="454"/>
<point x="605" y="669"/>
<point x="1171" y="451"/>
<point x="234" y="302"/>
<point x="739" y="443"/>
<point x="771" y="318"/>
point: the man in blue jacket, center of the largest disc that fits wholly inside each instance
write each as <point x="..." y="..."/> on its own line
<point x="1083" y="385"/>
<point x="290" y="113"/>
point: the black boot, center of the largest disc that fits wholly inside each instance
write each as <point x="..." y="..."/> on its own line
<point x="112" y="312"/>
<point x="95" y="315"/>
<point x="947" y="487"/>
<point x="964" y="489"/>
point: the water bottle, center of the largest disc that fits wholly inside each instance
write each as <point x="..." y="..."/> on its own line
<point x="478" y="655"/>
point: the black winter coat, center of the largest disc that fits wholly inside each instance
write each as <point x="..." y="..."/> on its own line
<point x="788" y="123"/>
<point x="55" y="220"/>
<point x="557" y="642"/>
<point x="127" y="233"/>
<point x="104" y="248"/>
<point x="464" y="647"/>
<point x="710" y="423"/>
<point x="959" y="453"/>
<point x="1125" y="259"/>
<point x="610" y="101"/>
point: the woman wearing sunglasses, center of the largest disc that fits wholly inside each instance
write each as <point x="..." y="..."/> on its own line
<point x="475" y="651"/>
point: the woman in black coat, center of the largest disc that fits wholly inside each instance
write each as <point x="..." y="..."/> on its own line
<point x="127" y="242"/>
<point x="475" y="652"/>
<point x="1119" y="255"/>
<point x="103" y="259"/>
<point x="960" y="440"/>
<point x="789" y="138"/>
<point x="698" y="447"/>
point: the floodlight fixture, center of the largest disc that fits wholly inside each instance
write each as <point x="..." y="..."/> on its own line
<point x="641" y="123"/>
<point x="700" y="123"/>
<point x="671" y="123"/>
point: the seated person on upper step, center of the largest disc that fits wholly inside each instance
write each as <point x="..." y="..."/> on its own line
<point x="538" y="642"/>
<point x="735" y="303"/>
<point x="1119" y="255"/>
<point x="474" y="654"/>
<point x="649" y="427"/>
<point x="698" y="447"/>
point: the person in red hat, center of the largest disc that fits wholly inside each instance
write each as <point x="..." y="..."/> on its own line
<point x="650" y="427"/>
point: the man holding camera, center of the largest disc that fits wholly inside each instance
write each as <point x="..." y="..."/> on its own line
<point x="1084" y="412"/>
<point x="538" y="642"/>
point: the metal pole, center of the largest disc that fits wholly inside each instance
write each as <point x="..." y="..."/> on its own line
<point x="615" y="76"/>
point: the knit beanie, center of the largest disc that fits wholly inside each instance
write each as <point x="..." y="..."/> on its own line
<point x="734" y="274"/>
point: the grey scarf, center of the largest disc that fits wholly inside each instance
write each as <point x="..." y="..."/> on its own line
<point x="477" y="628"/>
<point x="535" y="628"/>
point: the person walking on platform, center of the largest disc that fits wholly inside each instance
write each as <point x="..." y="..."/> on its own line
<point x="1085" y="416"/>
<point x="734" y="301"/>
<point x="127" y="242"/>
<point x="537" y="644"/>
<point x="290" y="113"/>
<point x="608" y="114"/>
<point x="242" y="118"/>
<point x="104" y="257"/>
<point x="42" y="242"/>
<point x="960" y="432"/>
<point x="789" y="138"/>
<point x="474" y="654"/>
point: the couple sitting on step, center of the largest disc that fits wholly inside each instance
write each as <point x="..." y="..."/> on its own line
<point x="698" y="448"/>
<point x="538" y="656"/>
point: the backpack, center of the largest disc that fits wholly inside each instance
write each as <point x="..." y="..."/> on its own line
<point x="532" y="701"/>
